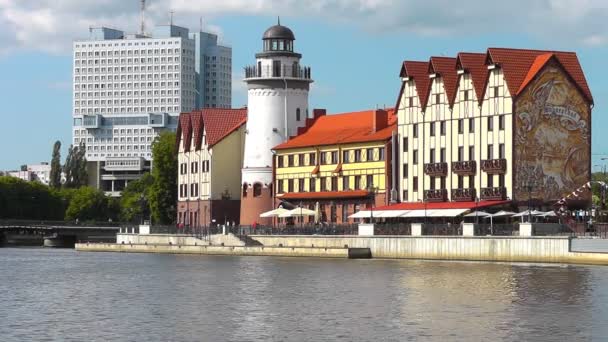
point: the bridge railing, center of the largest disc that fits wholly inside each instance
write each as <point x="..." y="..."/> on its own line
<point x="39" y="223"/>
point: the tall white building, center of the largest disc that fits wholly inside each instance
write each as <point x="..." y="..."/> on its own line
<point x="277" y="106"/>
<point x="130" y="87"/>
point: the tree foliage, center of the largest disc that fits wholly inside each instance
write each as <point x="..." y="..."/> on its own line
<point x="163" y="193"/>
<point x="55" y="176"/>
<point x="75" y="167"/>
<point x="89" y="204"/>
<point x="29" y="200"/>
<point x="134" y="203"/>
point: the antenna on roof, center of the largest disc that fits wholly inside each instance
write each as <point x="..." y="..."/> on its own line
<point x="142" y="27"/>
<point x="279" y="20"/>
<point x="201" y="24"/>
<point x="171" y="17"/>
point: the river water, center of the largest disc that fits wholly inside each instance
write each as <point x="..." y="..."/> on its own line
<point x="63" y="295"/>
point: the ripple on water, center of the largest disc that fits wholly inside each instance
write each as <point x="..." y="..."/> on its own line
<point x="51" y="295"/>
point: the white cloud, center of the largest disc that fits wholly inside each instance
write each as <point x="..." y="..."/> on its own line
<point x="51" y="25"/>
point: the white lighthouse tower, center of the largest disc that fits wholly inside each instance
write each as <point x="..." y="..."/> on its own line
<point x="277" y="106"/>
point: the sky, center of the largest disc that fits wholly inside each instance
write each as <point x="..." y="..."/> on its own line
<point x="354" y="47"/>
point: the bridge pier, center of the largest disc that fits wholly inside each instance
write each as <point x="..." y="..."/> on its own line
<point x="60" y="241"/>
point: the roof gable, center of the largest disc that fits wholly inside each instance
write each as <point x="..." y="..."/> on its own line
<point x="419" y="72"/>
<point x="474" y="64"/>
<point x="517" y="64"/>
<point x="185" y="131"/>
<point x="446" y="68"/>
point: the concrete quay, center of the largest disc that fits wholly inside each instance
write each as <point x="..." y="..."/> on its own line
<point x="317" y="252"/>
<point x="479" y="248"/>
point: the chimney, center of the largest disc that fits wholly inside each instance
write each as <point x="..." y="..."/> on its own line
<point x="318" y="112"/>
<point x="380" y="120"/>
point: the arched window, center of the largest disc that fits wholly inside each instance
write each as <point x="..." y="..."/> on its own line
<point x="257" y="190"/>
<point x="298" y="114"/>
<point x="244" y="189"/>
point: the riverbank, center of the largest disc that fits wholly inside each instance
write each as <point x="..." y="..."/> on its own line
<point x="480" y="248"/>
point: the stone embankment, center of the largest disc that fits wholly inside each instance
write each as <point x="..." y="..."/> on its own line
<point x="479" y="248"/>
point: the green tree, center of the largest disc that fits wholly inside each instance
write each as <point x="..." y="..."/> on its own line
<point x="29" y="200"/>
<point x="163" y="193"/>
<point x="55" y="181"/>
<point x="75" y="167"/>
<point x="134" y="203"/>
<point x="88" y="204"/>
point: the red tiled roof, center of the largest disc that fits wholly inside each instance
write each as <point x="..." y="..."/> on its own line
<point x="220" y="122"/>
<point x="323" y="194"/>
<point x="217" y="123"/>
<point x="441" y="205"/>
<point x="419" y="72"/>
<point x="184" y="131"/>
<point x="197" y="129"/>
<point x="516" y="64"/>
<point x="446" y="68"/>
<point x="474" y="64"/>
<point x="343" y="128"/>
<point x="539" y="63"/>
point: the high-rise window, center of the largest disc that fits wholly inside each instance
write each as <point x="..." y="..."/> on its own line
<point x="460" y="126"/>
<point x="415" y="130"/>
<point x="490" y="151"/>
<point x="415" y="184"/>
<point x="490" y="123"/>
<point x="471" y="125"/>
<point x="405" y="144"/>
<point x="501" y="122"/>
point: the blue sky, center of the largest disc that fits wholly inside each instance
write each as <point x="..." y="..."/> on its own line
<point x="355" y="49"/>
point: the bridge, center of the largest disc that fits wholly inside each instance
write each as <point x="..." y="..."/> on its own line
<point x="55" y="233"/>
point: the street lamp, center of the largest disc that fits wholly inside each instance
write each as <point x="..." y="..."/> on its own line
<point x="528" y="187"/>
<point x="372" y="193"/>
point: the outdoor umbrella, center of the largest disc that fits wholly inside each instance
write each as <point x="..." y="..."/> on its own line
<point x="274" y="213"/>
<point x="478" y="214"/>
<point x="299" y="212"/>
<point x="317" y="214"/>
<point x="548" y="214"/>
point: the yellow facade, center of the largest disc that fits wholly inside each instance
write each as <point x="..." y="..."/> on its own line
<point x="351" y="168"/>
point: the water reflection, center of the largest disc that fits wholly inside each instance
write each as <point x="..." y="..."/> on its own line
<point x="64" y="295"/>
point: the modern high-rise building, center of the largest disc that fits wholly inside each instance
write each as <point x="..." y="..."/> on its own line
<point x="130" y="87"/>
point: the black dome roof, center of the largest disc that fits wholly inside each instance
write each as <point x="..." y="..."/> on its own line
<point x="279" y="32"/>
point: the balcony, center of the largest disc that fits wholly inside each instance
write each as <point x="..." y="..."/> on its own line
<point x="464" y="195"/>
<point x="439" y="195"/>
<point x="464" y="168"/>
<point x="284" y="71"/>
<point x="494" y="166"/>
<point x="436" y="169"/>
<point x="494" y="194"/>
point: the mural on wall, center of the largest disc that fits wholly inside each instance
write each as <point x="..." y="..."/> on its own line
<point x="551" y="138"/>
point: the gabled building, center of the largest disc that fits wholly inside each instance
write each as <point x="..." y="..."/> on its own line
<point x="338" y="164"/>
<point x="210" y="157"/>
<point x="507" y="124"/>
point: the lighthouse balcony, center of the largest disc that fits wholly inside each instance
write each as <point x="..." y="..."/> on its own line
<point x="285" y="71"/>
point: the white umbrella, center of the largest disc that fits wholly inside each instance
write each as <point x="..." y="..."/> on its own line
<point x="317" y="213"/>
<point x="527" y="212"/>
<point x="478" y="214"/>
<point x="548" y="214"/>
<point x="297" y="212"/>
<point x="274" y="213"/>
<point x="503" y="213"/>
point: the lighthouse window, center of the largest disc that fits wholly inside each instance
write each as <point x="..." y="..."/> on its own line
<point x="281" y="46"/>
<point x="298" y="114"/>
<point x="275" y="45"/>
<point x="276" y="68"/>
<point x="257" y="190"/>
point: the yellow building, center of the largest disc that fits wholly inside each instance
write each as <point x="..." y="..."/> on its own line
<point x="507" y="124"/>
<point x="210" y="158"/>
<point x="339" y="164"/>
